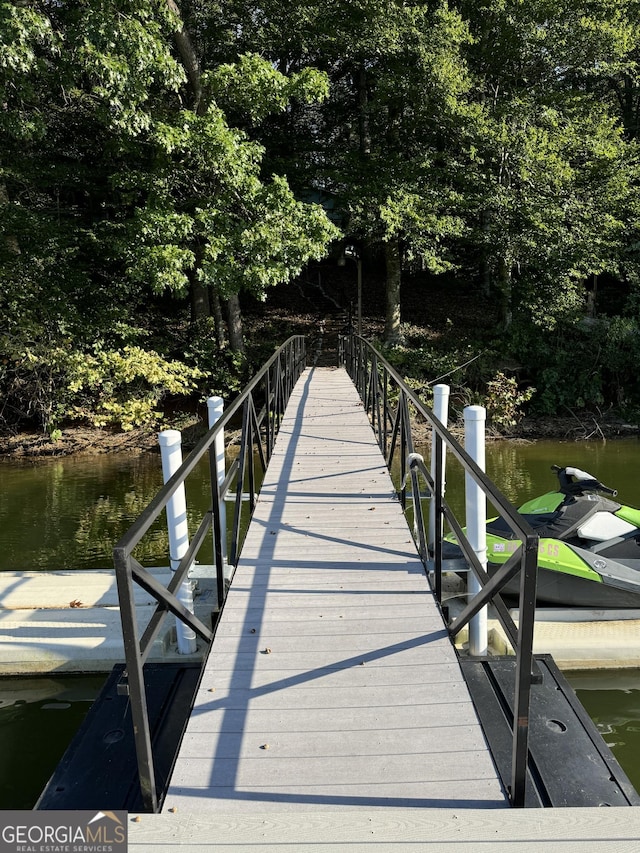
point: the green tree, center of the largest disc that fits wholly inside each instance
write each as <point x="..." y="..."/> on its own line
<point x="254" y="252"/>
<point x="121" y="178"/>
<point x="381" y="142"/>
<point x="549" y="169"/>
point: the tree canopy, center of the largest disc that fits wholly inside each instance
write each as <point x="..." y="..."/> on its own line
<point x="157" y="154"/>
<point x="121" y="179"/>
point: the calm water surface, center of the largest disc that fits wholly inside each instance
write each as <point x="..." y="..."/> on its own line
<point x="68" y="513"/>
<point x="38" y="718"/>
<point x="612" y="700"/>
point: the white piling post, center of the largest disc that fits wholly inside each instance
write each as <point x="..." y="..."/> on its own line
<point x="476" y="512"/>
<point x="441" y="411"/>
<point x="215" y="408"/>
<point x="171" y="453"/>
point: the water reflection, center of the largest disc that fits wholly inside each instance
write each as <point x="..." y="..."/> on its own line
<point x="612" y="700"/>
<point x="68" y="514"/>
<point x="38" y="717"/>
<point x="522" y="470"/>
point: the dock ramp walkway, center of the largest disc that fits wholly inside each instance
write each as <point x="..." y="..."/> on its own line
<point x="331" y="682"/>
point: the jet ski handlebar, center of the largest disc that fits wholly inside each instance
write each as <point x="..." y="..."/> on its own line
<point x="573" y="481"/>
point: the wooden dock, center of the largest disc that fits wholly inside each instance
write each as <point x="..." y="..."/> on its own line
<point x="331" y="684"/>
<point x="571" y="830"/>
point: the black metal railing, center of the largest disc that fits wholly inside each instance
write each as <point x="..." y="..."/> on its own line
<point x="262" y="405"/>
<point x="389" y="403"/>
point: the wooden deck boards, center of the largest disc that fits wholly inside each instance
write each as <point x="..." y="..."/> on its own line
<point x="331" y="683"/>
<point x="569" y="830"/>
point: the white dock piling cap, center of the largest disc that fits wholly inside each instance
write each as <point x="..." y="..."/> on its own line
<point x="475" y="413"/>
<point x="169" y="437"/>
<point x="215" y="406"/>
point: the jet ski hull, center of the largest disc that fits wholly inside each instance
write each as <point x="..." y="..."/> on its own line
<point x="560" y="589"/>
<point x="589" y="551"/>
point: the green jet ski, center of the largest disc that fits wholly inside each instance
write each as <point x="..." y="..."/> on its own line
<point x="589" y="553"/>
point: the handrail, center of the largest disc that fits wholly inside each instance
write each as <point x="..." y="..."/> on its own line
<point x="387" y="399"/>
<point x="272" y="387"/>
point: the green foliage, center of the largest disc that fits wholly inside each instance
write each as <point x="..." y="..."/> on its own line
<point x="223" y="373"/>
<point x="155" y="244"/>
<point x="253" y="89"/>
<point x="122" y="47"/>
<point x="105" y="387"/>
<point x="120" y="182"/>
<point x="504" y="401"/>
<point x="25" y="33"/>
<point x="424" y="365"/>
<point x="252" y="256"/>
<point x="492" y="137"/>
<point x="22" y="28"/>
<point x="123" y="387"/>
<point x="431" y="362"/>
<point x="29" y="378"/>
<point x="499" y="138"/>
<point x="581" y="365"/>
<point x="401" y="183"/>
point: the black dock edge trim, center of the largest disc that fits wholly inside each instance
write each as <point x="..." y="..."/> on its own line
<point x="561" y="735"/>
<point x="99" y="768"/>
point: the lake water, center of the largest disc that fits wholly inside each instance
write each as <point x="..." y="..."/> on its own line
<point x="38" y="718"/>
<point x="68" y="513"/>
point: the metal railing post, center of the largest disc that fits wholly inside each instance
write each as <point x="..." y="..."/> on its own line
<point x="215" y="410"/>
<point x="406" y="444"/>
<point x="418" y="516"/>
<point x="438" y="527"/>
<point x="242" y="467"/>
<point x="269" y="441"/>
<point x="135" y="686"/>
<point x="524" y="666"/>
<point x="385" y="412"/>
<point x="217" y="466"/>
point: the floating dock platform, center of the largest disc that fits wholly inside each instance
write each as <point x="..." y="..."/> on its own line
<point x="332" y="686"/>
<point x="69" y="621"/>
<point x="570" y="830"/>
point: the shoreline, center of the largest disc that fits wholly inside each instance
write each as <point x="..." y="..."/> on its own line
<point x="33" y="446"/>
<point x="30" y="445"/>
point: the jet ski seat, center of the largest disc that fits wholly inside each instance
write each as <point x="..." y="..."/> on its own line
<point x="603" y="526"/>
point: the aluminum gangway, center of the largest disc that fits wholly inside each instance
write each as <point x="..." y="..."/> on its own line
<point x="331" y="682"/>
<point x="331" y="693"/>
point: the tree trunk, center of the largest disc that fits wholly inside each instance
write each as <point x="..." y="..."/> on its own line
<point x="504" y="292"/>
<point x="218" y="319"/>
<point x="592" y="293"/>
<point x="11" y="241"/>
<point x="485" y="266"/>
<point x="200" y="299"/>
<point x="392" y="332"/>
<point x="234" y="324"/>
<point x="363" y="110"/>
<point x="629" y="103"/>
<point x="189" y="59"/>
